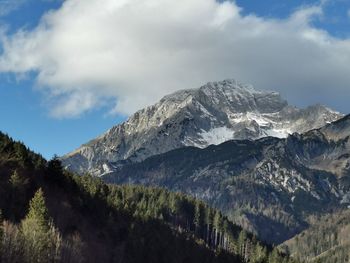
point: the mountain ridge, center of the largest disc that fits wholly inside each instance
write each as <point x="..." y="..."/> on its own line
<point x="75" y="218"/>
<point x="212" y="114"/>
<point x="275" y="183"/>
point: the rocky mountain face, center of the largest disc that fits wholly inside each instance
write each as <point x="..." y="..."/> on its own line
<point x="214" y="113"/>
<point x="270" y="186"/>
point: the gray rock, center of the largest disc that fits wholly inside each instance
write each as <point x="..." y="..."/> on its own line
<point x="269" y="186"/>
<point x="214" y="113"/>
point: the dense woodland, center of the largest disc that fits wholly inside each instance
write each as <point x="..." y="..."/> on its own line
<point x="326" y="241"/>
<point x="50" y="215"/>
<point x="227" y="176"/>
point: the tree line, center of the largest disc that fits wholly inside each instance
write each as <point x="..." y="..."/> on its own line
<point x="51" y="215"/>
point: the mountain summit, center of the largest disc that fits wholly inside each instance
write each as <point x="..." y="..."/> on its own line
<point x="212" y="114"/>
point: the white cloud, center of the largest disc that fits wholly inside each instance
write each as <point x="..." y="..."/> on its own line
<point x="139" y="50"/>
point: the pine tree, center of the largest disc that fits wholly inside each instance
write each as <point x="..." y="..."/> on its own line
<point x="199" y="218"/>
<point x="38" y="211"/>
<point x="274" y="256"/>
<point x="17" y="196"/>
<point x="21" y="153"/>
<point x="41" y="239"/>
<point x="55" y="171"/>
<point x="259" y="254"/>
<point x="242" y="245"/>
<point x="15" y="180"/>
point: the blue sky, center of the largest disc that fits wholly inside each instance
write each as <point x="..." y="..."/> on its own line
<point x="23" y="113"/>
<point x="25" y="106"/>
<point x="336" y="20"/>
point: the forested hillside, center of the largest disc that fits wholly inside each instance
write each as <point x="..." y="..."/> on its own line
<point x="326" y="241"/>
<point x="268" y="186"/>
<point x="50" y="215"/>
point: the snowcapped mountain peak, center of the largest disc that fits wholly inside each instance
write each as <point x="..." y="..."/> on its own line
<point x="229" y="87"/>
<point x="211" y="114"/>
<point x="243" y="98"/>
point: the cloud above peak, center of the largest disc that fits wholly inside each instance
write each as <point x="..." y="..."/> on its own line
<point x="136" y="51"/>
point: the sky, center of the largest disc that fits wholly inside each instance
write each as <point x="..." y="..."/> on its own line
<point x="70" y="70"/>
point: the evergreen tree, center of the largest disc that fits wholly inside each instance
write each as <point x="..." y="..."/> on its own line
<point x="41" y="239"/>
<point x="55" y="164"/>
<point x="19" y="186"/>
<point x="22" y="155"/>
<point x="199" y="218"/>
<point x="259" y="254"/>
<point x="242" y="244"/>
<point x="121" y="223"/>
<point x="274" y="256"/>
<point x="38" y="211"/>
<point x="15" y="180"/>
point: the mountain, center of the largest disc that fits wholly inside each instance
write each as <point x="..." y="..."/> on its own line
<point x="326" y="241"/>
<point x="214" y="113"/>
<point x="50" y="215"/>
<point x="269" y="186"/>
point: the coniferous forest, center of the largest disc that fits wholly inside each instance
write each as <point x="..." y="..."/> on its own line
<point x="51" y="215"/>
<point x="326" y="241"/>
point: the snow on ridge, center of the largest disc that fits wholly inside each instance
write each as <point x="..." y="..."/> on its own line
<point x="217" y="135"/>
<point x="278" y="133"/>
<point x="250" y="116"/>
<point x="214" y="113"/>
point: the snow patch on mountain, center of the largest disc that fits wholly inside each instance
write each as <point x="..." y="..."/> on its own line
<point x="212" y="114"/>
<point x="217" y="135"/>
<point x="278" y="133"/>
